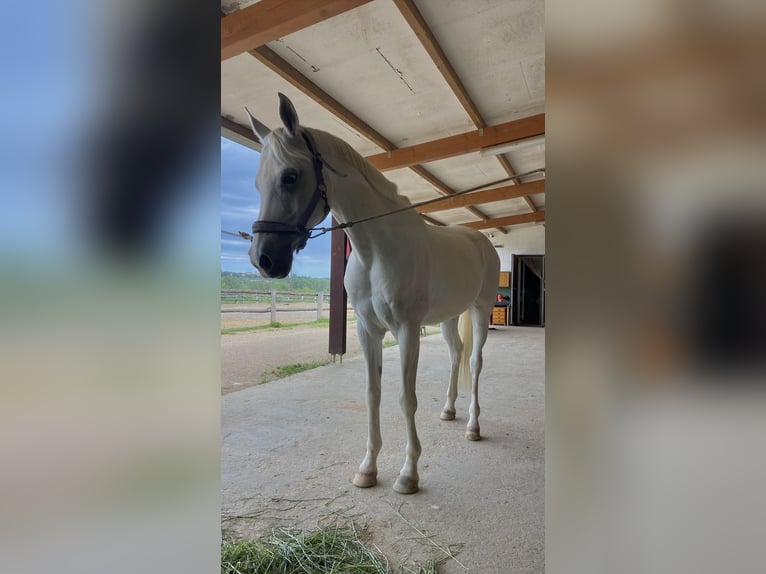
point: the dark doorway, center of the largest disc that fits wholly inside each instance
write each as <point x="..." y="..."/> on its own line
<point x="528" y="290"/>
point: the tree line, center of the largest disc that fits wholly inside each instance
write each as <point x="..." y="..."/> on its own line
<point x="253" y="282"/>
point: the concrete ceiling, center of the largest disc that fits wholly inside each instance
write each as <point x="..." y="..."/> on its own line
<point x="389" y="74"/>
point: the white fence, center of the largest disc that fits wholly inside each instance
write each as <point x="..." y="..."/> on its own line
<point x="272" y="299"/>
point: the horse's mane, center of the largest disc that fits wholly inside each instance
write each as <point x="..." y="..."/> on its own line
<point x="335" y="146"/>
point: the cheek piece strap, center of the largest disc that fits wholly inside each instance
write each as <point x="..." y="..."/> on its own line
<point x="320" y="192"/>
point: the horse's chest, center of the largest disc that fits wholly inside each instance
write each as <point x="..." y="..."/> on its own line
<point x="388" y="293"/>
<point x="396" y="303"/>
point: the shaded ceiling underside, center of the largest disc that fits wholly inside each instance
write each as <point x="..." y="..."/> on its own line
<point x="417" y="88"/>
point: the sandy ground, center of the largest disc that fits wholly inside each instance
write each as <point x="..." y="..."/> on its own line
<point x="249" y="357"/>
<point x="290" y="448"/>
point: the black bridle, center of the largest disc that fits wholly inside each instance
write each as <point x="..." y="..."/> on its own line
<point x="320" y="193"/>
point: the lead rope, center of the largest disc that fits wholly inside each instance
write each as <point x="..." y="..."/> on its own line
<point x="322" y="230"/>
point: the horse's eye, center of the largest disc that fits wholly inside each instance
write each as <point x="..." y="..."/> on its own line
<point x="289" y="178"/>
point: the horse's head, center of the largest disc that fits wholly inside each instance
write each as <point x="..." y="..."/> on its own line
<point x="292" y="191"/>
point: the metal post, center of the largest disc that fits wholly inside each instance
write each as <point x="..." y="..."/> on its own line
<point x="320" y="305"/>
<point x="273" y="306"/>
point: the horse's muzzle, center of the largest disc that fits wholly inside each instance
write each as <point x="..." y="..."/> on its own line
<point x="272" y="256"/>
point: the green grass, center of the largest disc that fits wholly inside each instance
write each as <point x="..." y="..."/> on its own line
<point x="338" y="548"/>
<point x="276" y="325"/>
<point x="323" y="322"/>
<point x="286" y="370"/>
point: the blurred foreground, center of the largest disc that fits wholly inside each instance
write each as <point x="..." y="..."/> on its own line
<point x="656" y="257"/>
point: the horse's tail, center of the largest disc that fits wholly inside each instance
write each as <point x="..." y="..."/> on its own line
<point x="465" y="329"/>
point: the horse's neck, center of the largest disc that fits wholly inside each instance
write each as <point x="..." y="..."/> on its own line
<point x="354" y="197"/>
<point x="354" y="201"/>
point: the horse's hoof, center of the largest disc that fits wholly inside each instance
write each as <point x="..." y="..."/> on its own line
<point x="447" y="415"/>
<point x="472" y="435"/>
<point x="365" y="479"/>
<point x="404" y="485"/>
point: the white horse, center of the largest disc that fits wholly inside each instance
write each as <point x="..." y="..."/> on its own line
<point x="401" y="274"/>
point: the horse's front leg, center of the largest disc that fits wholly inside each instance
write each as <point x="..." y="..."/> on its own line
<point x="409" y="349"/>
<point x="372" y="347"/>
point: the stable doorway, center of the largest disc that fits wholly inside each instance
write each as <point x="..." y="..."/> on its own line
<point x="528" y="291"/>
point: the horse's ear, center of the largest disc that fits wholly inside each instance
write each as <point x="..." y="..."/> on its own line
<point x="259" y="129"/>
<point x="288" y="114"/>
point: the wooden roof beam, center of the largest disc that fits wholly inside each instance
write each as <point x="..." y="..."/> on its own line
<point x="510" y="220"/>
<point x="509" y="170"/>
<point x="432" y="221"/>
<point x="460" y="144"/>
<point x="423" y="32"/>
<point x="486" y="196"/>
<point x="269" y="20"/>
<point x="275" y="63"/>
<point x="444" y="189"/>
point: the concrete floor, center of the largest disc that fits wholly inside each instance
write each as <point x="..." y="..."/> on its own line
<point x="290" y="449"/>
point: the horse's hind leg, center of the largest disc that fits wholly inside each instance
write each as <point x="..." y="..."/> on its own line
<point x="480" y="330"/>
<point x="372" y="347"/>
<point x="455" y="345"/>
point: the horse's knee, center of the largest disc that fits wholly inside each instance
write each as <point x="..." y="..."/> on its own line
<point x="409" y="403"/>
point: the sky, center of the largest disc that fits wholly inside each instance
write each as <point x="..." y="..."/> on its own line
<point x="240" y="203"/>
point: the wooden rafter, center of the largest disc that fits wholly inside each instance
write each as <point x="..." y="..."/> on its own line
<point x="438" y="184"/>
<point x="442" y="188"/>
<point x="486" y="196"/>
<point x="510" y="220"/>
<point x="432" y="221"/>
<point x="423" y="32"/>
<point x="510" y="171"/>
<point x="275" y="63"/>
<point x="530" y="203"/>
<point x="460" y="144"/>
<point x="286" y="18"/>
<point x="284" y="69"/>
<point x="268" y="20"/>
<point x="250" y="28"/>
<point x="418" y="24"/>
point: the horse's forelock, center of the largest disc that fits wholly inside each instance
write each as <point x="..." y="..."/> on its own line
<point x="284" y="148"/>
<point x="279" y="151"/>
